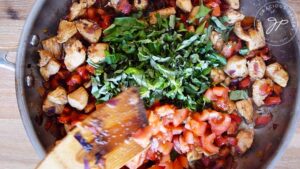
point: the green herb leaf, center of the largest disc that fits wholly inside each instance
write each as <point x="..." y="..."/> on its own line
<point x="238" y="95"/>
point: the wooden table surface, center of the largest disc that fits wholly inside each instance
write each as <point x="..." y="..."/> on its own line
<point x="16" y="152"/>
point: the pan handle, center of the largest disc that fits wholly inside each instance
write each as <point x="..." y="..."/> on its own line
<point x="4" y="63"/>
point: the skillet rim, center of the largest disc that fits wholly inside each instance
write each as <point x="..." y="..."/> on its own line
<point x="27" y="122"/>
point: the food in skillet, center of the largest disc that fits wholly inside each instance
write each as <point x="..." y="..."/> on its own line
<point x="203" y="69"/>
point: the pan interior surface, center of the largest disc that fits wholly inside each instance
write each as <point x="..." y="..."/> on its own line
<point x="268" y="141"/>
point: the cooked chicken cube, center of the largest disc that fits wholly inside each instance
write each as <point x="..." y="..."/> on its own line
<point x="234" y="16"/>
<point x="58" y="96"/>
<point x="75" y="54"/>
<point x="276" y="72"/>
<point x="257" y="68"/>
<point x="52" y="46"/>
<point x="236" y="67"/>
<point x="245" y="109"/>
<point x="261" y="89"/>
<point x="231" y="107"/>
<point x="65" y="31"/>
<point x="217" y="75"/>
<point x="50" y="69"/>
<point x="234" y="4"/>
<point x="245" y="139"/>
<point x="162" y="12"/>
<point x="50" y="107"/>
<point x="87" y="84"/>
<point x="184" y="5"/>
<point x="96" y="52"/>
<point x="45" y="57"/>
<point x="88" y="3"/>
<point x="255" y="37"/>
<point x="90" y="31"/>
<point x="79" y="98"/>
<point x="141" y="4"/>
<point x="217" y="40"/>
<point x="194" y="13"/>
<point x="77" y="10"/>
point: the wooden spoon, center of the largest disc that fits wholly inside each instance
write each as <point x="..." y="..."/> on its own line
<point x="102" y="140"/>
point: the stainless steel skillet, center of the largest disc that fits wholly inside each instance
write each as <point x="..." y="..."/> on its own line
<point x="269" y="143"/>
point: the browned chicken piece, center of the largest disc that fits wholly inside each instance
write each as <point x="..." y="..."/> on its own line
<point x="50" y="69"/>
<point x="50" y="107"/>
<point x="257" y="68"/>
<point x="254" y="37"/>
<point x="166" y="12"/>
<point x="276" y="72"/>
<point x="90" y="31"/>
<point x="52" y="45"/>
<point x="217" y="40"/>
<point x="88" y="3"/>
<point x="75" y="54"/>
<point x="234" y="4"/>
<point x="236" y="67"/>
<point x="217" y="75"/>
<point x="259" y="90"/>
<point x="195" y="154"/>
<point x="231" y="107"/>
<point x="45" y="57"/>
<point x="58" y="96"/>
<point x="184" y="5"/>
<point x="233" y="16"/>
<point x="66" y="30"/>
<point x="140" y="4"/>
<point x="245" y="139"/>
<point x="96" y="52"/>
<point x="245" y="109"/>
<point x="79" y="98"/>
<point x="193" y="13"/>
<point x="77" y="10"/>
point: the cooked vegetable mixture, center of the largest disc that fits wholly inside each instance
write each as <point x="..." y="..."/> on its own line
<point x="202" y="68"/>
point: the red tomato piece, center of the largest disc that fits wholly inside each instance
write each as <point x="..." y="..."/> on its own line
<point x="151" y="155"/>
<point x="245" y="83"/>
<point x="266" y="89"/>
<point x="180" y="145"/>
<point x="204" y="116"/>
<point x="83" y="72"/>
<point x="221" y="91"/>
<point x="156" y="167"/>
<point x="233" y="128"/>
<point x="90" y="69"/>
<point x="74" y="80"/>
<point x="228" y="50"/>
<point x="177" y="164"/>
<point x="235" y="117"/>
<point x="277" y="89"/>
<point x="207" y="142"/>
<point x="216" y="11"/>
<point x="177" y="130"/>
<point x="183" y="161"/>
<point x="188" y="137"/>
<point x="165" y="110"/>
<point x="210" y="95"/>
<point x="165" y="148"/>
<point x="143" y="136"/>
<point x="263" y="120"/>
<point x="179" y="116"/>
<point x="219" y="123"/>
<point x="272" y="100"/>
<point x="198" y="128"/>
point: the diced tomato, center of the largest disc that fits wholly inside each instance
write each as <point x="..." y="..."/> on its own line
<point x="179" y="116"/>
<point x="263" y="120"/>
<point x="168" y="165"/>
<point x="228" y="50"/>
<point x="90" y="69"/>
<point x="220" y="91"/>
<point x="245" y="83"/>
<point x="212" y="4"/>
<point x="220" y="123"/>
<point x="219" y="163"/>
<point x="91" y="13"/>
<point x="177" y="130"/>
<point x="272" y="100"/>
<point x="54" y="82"/>
<point x="167" y="120"/>
<point x="210" y="95"/>
<point x="188" y="137"/>
<point x="151" y="155"/>
<point x="207" y="142"/>
<point x="233" y="128"/>
<point x="235" y="117"/>
<point x="204" y="116"/>
<point x="238" y="45"/>
<point x="198" y="128"/>
<point x="156" y="167"/>
<point x="221" y="104"/>
<point x="177" y="164"/>
<point x="83" y="72"/>
<point x="277" y="89"/>
<point x="64" y="119"/>
<point x="216" y="11"/>
<point x="180" y="145"/>
<point x="165" y="110"/>
<point x="183" y="161"/>
<point x="74" y="80"/>
<point x="165" y="148"/>
<point x="143" y="136"/>
<point x="248" y="22"/>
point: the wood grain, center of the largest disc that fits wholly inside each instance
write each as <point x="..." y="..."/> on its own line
<point x="16" y="151"/>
